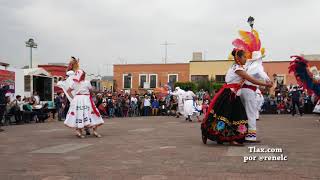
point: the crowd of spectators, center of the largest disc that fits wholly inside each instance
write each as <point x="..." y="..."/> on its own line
<point x="111" y="104"/>
<point x="294" y="100"/>
<point x="22" y="110"/>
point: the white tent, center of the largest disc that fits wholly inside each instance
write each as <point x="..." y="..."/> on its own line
<point x="36" y="72"/>
<point x="40" y="80"/>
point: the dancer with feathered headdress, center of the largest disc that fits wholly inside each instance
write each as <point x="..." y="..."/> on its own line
<point x="250" y="42"/>
<point x="226" y="119"/>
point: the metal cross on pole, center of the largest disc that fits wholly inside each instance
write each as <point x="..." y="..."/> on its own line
<point x="166" y="50"/>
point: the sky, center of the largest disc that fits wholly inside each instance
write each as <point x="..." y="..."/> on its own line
<point x="106" y="32"/>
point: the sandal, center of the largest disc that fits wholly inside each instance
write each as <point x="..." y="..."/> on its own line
<point x="96" y="134"/>
<point x="80" y="136"/>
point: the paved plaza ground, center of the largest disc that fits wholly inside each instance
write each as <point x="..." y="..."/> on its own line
<point x="157" y="148"/>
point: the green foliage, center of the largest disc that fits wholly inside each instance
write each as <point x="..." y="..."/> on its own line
<point x="186" y="85"/>
<point x="206" y="85"/>
<point x="209" y="86"/>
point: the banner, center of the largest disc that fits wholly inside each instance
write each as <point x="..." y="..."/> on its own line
<point x="7" y="78"/>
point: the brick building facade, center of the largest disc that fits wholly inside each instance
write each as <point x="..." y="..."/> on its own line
<point x="280" y="69"/>
<point x="148" y="76"/>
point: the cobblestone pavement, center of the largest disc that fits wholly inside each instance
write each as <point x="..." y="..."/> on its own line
<point x="157" y="148"/>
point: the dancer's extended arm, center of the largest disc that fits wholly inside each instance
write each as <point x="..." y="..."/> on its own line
<point x="247" y="77"/>
<point x="69" y="93"/>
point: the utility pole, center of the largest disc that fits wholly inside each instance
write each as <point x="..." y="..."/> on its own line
<point x="31" y="44"/>
<point x="166" y="44"/>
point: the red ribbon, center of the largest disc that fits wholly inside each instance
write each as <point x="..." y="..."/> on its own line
<point x="215" y="98"/>
<point x="94" y="108"/>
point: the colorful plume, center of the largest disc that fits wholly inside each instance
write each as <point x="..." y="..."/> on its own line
<point x="249" y="42"/>
<point x="299" y="66"/>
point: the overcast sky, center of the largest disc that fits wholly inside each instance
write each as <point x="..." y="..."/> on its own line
<point x="105" y="32"/>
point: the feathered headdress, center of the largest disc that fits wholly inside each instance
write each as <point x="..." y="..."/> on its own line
<point x="249" y="42"/>
<point x="299" y="66"/>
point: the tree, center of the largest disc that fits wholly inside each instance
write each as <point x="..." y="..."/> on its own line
<point x="206" y="85"/>
<point x="209" y="86"/>
<point x="185" y="85"/>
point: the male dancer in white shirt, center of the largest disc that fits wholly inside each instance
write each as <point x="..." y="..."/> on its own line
<point x="260" y="101"/>
<point x="248" y="94"/>
<point x="179" y="93"/>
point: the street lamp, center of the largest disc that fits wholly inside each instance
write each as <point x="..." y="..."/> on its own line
<point x="251" y="22"/>
<point x="31" y="44"/>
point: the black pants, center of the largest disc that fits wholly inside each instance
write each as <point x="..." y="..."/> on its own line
<point x="18" y="116"/>
<point x="28" y="116"/>
<point x="147" y="110"/>
<point x="293" y="108"/>
<point x="2" y="110"/>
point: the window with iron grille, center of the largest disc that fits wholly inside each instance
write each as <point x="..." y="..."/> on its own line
<point x="127" y="82"/>
<point x="173" y="78"/>
<point x="143" y="79"/>
<point x="153" y="80"/>
<point x="195" y="78"/>
<point x="221" y="78"/>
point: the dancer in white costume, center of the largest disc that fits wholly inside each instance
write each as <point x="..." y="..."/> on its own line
<point x="189" y="107"/>
<point x="82" y="112"/>
<point x="317" y="108"/>
<point x="179" y="93"/>
<point x="249" y="96"/>
<point x="260" y="101"/>
<point x="66" y="84"/>
<point x="251" y="44"/>
<point x="255" y="69"/>
<point x="197" y="108"/>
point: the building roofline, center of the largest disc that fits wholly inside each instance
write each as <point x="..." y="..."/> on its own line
<point x="45" y="65"/>
<point x="271" y="61"/>
<point x="267" y="61"/>
<point x="150" y="64"/>
<point x="222" y="60"/>
<point x="218" y="60"/>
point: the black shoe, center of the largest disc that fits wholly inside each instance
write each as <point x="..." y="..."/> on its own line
<point x="256" y="141"/>
<point x="1" y="130"/>
<point x="88" y="132"/>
